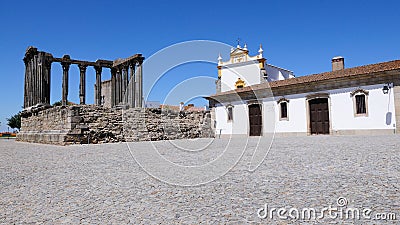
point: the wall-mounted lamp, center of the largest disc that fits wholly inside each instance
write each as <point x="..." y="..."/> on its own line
<point x="386" y="88"/>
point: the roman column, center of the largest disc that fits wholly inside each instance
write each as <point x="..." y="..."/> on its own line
<point x="37" y="86"/>
<point x="118" y="86"/>
<point x="139" y="91"/>
<point x="124" y="83"/>
<point x="39" y="89"/>
<point x="82" y="83"/>
<point x="47" y="78"/>
<point x="113" y="87"/>
<point x="132" y="84"/>
<point x="26" y="83"/>
<point x="98" y="84"/>
<point x="34" y="84"/>
<point x="31" y="80"/>
<point x="65" y="66"/>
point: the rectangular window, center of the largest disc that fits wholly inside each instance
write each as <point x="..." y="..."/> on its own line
<point x="360" y="104"/>
<point x="283" y="110"/>
<point x="230" y="113"/>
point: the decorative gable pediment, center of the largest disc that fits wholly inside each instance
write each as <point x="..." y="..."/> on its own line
<point x="239" y="51"/>
<point x="239" y="55"/>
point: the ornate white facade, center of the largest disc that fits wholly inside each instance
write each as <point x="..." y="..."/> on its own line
<point x="246" y="70"/>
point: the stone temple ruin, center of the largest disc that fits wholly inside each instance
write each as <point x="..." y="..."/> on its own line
<point x="38" y="73"/>
<point x="121" y="117"/>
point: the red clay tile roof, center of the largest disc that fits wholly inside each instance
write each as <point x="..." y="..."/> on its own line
<point x="367" y="69"/>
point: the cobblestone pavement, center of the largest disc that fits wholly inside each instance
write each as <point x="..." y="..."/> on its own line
<point x="103" y="184"/>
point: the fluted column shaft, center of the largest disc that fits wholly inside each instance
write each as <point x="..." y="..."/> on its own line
<point x="33" y="82"/>
<point x="124" y="83"/>
<point x="98" y="85"/>
<point x="118" y="86"/>
<point x="26" y="83"/>
<point x="30" y="81"/>
<point x="47" y="78"/>
<point x="82" y="84"/>
<point x="132" y="85"/>
<point x="40" y="77"/>
<point x="113" y="87"/>
<point x="139" y="92"/>
<point x="65" y="66"/>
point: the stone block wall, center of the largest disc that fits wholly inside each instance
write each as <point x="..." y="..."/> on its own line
<point x="45" y="126"/>
<point x="106" y="93"/>
<point x="95" y="124"/>
<point x="71" y="124"/>
<point x="156" y="124"/>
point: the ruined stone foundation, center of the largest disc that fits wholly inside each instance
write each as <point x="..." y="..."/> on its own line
<point x="83" y="124"/>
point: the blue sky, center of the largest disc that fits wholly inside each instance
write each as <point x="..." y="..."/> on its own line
<point x="298" y="35"/>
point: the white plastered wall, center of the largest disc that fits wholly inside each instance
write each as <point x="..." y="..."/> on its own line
<point x="381" y="114"/>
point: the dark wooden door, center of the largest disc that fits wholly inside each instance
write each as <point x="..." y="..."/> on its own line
<point x="319" y="116"/>
<point x="255" y="119"/>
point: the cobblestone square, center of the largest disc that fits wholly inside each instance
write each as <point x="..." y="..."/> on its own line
<point x="103" y="184"/>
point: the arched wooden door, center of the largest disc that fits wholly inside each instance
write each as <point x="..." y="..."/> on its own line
<point x="255" y="120"/>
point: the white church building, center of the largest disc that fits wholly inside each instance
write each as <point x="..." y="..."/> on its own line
<point x="255" y="98"/>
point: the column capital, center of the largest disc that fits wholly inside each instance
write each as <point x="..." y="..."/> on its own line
<point x="113" y="70"/>
<point x="118" y="68"/>
<point x="98" y="69"/>
<point x="125" y="67"/>
<point x="65" y="65"/>
<point x="48" y="63"/>
<point x="140" y="60"/>
<point x="66" y="62"/>
<point x="82" y="67"/>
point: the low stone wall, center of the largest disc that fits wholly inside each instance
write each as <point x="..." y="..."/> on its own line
<point x="156" y="124"/>
<point x="96" y="125"/>
<point x="45" y="126"/>
<point x="93" y="124"/>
